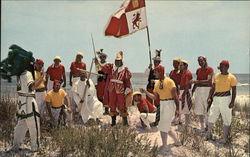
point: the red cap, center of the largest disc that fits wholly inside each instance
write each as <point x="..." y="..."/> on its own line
<point x="160" y="69"/>
<point x="57" y="81"/>
<point x="224" y="62"/>
<point x="39" y="61"/>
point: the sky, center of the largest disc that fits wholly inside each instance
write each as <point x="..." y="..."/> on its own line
<point x="185" y="29"/>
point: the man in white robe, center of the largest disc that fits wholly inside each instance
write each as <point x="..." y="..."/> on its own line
<point x="90" y="107"/>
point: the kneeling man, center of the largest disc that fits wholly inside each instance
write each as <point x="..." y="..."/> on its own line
<point x="146" y="109"/>
<point x="88" y="104"/>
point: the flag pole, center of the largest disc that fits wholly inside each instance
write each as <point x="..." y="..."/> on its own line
<point x="149" y="49"/>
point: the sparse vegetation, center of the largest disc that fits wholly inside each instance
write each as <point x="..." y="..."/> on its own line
<point x="96" y="141"/>
<point x="103" y="140"/>
<point x="7" y="119"/>
<point x="198" y="146"/>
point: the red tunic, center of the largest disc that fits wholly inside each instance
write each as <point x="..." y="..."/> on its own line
<point x="186" y="76"/>
<point x="176" y="77"/>
<point x="145" y="104"/>
<point x="119" y="79"/>
<point x="55" y="73"/>
<point x="101" y="86"/>
<point x="202" y="74"/>
<point x="74" y="66"/>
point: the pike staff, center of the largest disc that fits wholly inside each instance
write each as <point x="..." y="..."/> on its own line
<point x="85" y="88"/>
<point x="87" y="82"/>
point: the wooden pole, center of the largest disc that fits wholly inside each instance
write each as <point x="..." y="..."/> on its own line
<point x="85" y="71"/>
<point x="85" y="88"/>
<point x="93" y="44"/>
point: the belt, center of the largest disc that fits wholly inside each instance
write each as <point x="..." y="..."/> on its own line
<point x="41" y="90"/>
<point x="51" y="79"/>
<point x="57" y="107"/>
<point x="116" y="81"/>
<point x="26" y="94"/>
<point x="222" y="94"/>
<point x="203" y="86"/>
<point x="167" y="99"/>
<point x="74" y="76"/>
<point x="24" y="116"/>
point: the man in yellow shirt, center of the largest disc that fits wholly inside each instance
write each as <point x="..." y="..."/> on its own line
<point x="55" y="103"/>
<point x="40" y="88"/>
<point x="165" y="89"/>
<point x="221" y="99"/>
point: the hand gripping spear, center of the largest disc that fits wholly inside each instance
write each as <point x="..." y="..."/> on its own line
<point x="89" y="73"/>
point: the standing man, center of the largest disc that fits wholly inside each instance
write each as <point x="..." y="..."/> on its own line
<point x="55" y="72"/>
<point x="175" y="75"/>
<point x="151" y="81"/>
<point x="101" y="80"/>
<point x="118" y="87"/>
<point x="20" y="63"/>
<point x="201" y="88"/>
<point x="55" y="103"/>
<point x="165" y="90"/>
<point x="40" y="88"/>
<point x="221" y="99"/>
<point x="185" y="91"/>
<point x="27" y="111"/>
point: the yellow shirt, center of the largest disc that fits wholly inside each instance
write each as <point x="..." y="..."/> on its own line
<point x="37" y="76"/>
<point x="56" y="99"/>
<point x="168" y="85"/>
<point x="224" y="83"/>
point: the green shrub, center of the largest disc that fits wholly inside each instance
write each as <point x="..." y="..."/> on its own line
<point x="99" y="141"/>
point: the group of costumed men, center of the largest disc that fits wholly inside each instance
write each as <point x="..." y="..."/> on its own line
<point x="167" y="98"/>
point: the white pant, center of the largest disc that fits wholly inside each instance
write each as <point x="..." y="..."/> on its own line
<point x="56" y="113"/>
<point x="40" y="99"/>
<point x="220" y="106"/>
<point x="31" y="123"/>
<point x="167" y="112"/>
<point x="201" y="95"/>
<point x="73" y="92"/>
<point x="93" y="108"/>
<point x="185" y="110"/>
<point x="148" y="118"/>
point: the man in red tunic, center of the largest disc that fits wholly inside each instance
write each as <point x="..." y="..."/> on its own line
<point x="201" y="90"/>
<point x="74" y="68"/>
<point x="55" y="72"/>
<point x="175" y="75"/>
<point x="185" y="91"/>
<point x="146" y="109"/>
<point x="101" y="80"/>
<point x="119" y="85"/>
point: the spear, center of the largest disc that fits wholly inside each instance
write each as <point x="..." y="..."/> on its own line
<point x="93" y="44"/>
<point x="86" y="86"/>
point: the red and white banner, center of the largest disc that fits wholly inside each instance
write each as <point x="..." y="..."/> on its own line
<point x="130" y="18"/>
